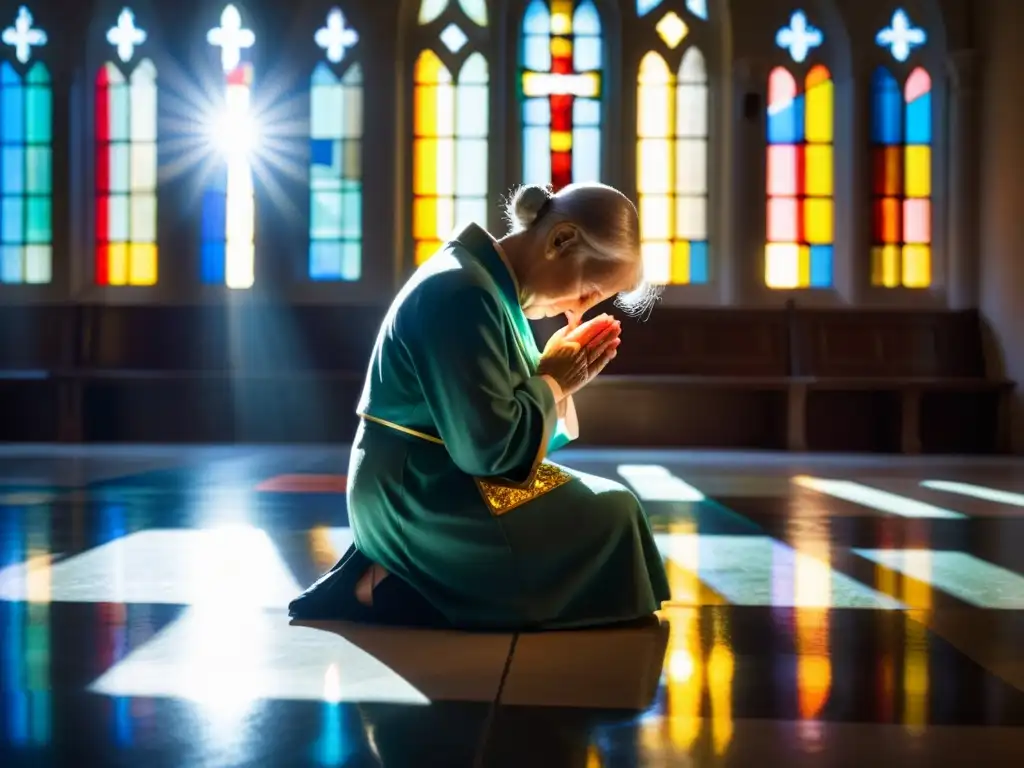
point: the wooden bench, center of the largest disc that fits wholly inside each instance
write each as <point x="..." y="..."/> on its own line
<point x="248" y="372"/>
<point x="850" y="380"/>
<point x="925" y="371"/>
<point x="35" y="358"/>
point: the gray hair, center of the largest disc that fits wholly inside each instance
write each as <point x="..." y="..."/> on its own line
<point x="607" y="221"/>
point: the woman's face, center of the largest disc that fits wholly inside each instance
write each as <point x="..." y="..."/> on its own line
<point x="556" y="282"/>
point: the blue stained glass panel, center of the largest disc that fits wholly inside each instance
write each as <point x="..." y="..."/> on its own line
<point x="537" y="19"/>
<point x="325" y="259"/>
<point x="10" y="264"/>
<point x="322" y="152"/>
<point x="698" y="8"/>
<point x="821" y="266"/>
<point x="586" y="112"/>
<point x="537" y="112"/>
<point x="586" y="20"/>
<point x="352" y="215"/>
<point x="643" y="7"/>
<point x="919" y="120"/>
<point x="352" y="262"/>
<point x="117" y="228"/>
<point x="12" y="102"/>
<point x="786" y="124"/>
<point x="213" y="258"/>
<point x="536" y="155"/>
<point x="214" y="216"/>
<point x="586" y="54"/>
<point x="537" y="53"/>
<point x="14" y="170"/>
<point x="39" y="220"/>
<point x="699" y="262"/>
<point x="12" y="216"/>
<point x="325" y="216"/>
<point x="886" y="108"/>
<point x="586" y="154"/>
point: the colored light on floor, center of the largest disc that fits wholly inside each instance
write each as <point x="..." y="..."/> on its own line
<point x="883" y="501"/>
<point x="227" y="665"/>
<point x="655" y="483"/>
<point x="976" y="491"/>
<point x="959" y="574"/>
<point x="759" y="570"/>
<point x="233" y="566"/>
<point x="304" y="484"/>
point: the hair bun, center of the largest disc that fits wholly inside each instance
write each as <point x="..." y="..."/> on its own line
<point x="526" y="205"/>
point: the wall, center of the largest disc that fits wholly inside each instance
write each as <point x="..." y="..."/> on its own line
<point x="1002" y="191"/>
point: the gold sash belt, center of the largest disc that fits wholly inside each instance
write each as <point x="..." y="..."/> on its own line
<point x="499" y="497"/>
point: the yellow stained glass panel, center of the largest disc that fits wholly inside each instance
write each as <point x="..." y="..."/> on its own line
<point x="681" y="261"/>
<point x="917" y="266"/>
<point x="143" y="264"/>
<point x="818" y="220"/>
<point x="117" y="265"/>
<point x="819" y="105"/>
<point x="425" y="249"/>
<point x="818" y="171"/>
<point x="654" y="165"/>
<point x="918" y="172"/>
<point x="885" y="265"/>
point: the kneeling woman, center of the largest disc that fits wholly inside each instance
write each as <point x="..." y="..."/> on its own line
<point x="458" y="519"/>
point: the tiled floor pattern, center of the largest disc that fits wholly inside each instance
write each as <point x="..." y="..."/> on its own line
<point x="826" y="611"/>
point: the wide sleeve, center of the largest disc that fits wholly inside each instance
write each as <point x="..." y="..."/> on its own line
<point x="567" y="429"/>
<point x="491" y="427"/>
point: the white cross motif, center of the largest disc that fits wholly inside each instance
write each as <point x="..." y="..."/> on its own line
<point x="231" y="38"/>
<point x="125" y="36"/>
<point x="799" y="37"/>
<point x="336" y="37"/>
<point x="900" y="37"/>
<point x="22" y="36"/>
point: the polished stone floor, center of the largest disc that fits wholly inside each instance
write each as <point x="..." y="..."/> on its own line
<point x="826" y="611"/>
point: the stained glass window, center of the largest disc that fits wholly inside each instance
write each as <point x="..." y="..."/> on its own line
<point x="26" y="177"/>
<point x="335" y="156"/>
<point x="672" y="167"/>
<point x="450" y="125"/>
<point x="901" y="135"/>
<point x="126" y="163"/>
<point x="228" y="248"/>
<point x="800" y="213"/>
<point x="561" y="58"/>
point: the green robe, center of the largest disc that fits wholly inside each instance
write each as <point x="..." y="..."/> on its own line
<point x="447" y="485"/>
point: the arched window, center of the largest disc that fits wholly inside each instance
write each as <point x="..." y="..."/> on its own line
<point x="561" y="87"/>
<point x="901" y="175"/>
<point x="26" y="153"/>
<point x="800" y="164"/>
<point x="228" y="216"/>
<point x="125" y="163"/>
<point x="450" y="122"/>
<point x="335" y="154"/>
<point x="672" y="145"/>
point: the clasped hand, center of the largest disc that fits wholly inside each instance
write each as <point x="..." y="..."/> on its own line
<point x="574" y="357"/>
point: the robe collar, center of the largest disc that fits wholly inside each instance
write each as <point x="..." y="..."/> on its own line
<point x="485" y="249"/>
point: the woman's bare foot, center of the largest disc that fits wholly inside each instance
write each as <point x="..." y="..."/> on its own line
<point x="368" y="582"/>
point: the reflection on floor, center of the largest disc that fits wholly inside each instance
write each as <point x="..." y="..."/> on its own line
<point x="825" y="611"/>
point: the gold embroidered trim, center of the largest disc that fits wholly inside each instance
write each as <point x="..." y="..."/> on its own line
<point x="504" y="498"/>
<point x="400" y="428"/>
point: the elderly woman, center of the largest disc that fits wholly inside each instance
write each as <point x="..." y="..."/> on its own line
<point x="458" y="518"/>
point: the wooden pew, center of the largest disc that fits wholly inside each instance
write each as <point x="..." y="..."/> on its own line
<point x="36" y="357"/>
<point x="247" y="371"/>
<point x="922" y="371"/>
